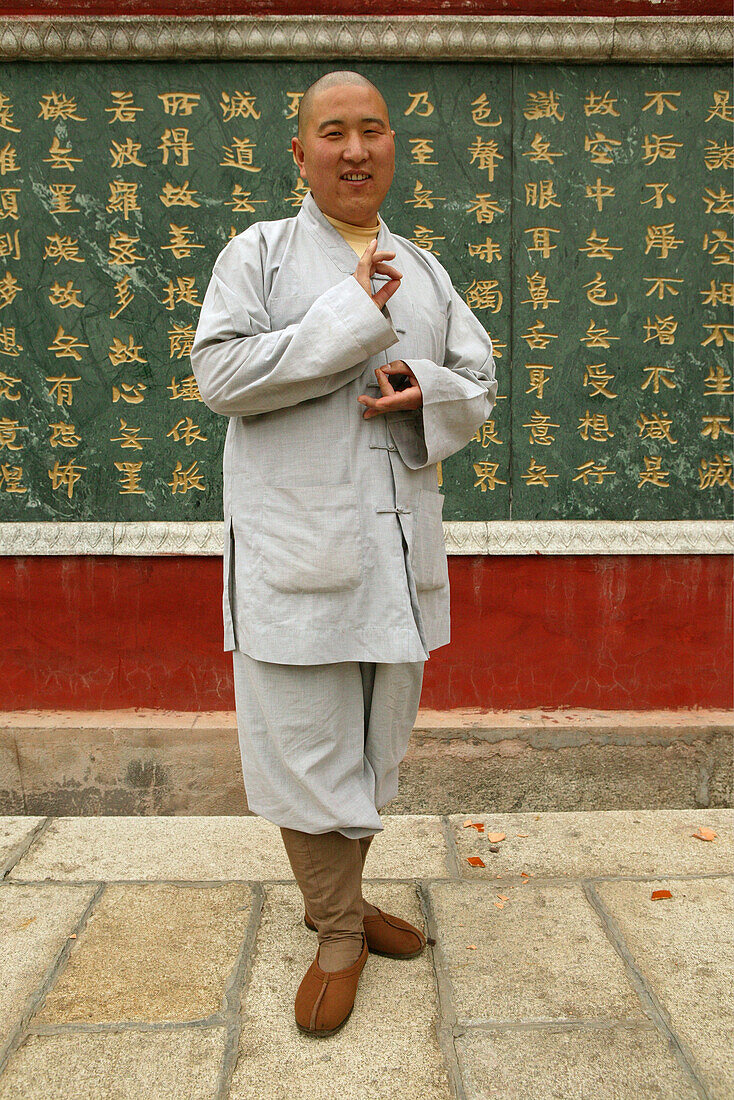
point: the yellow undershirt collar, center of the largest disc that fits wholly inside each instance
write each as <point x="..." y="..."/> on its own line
<point x="357" y="230"/>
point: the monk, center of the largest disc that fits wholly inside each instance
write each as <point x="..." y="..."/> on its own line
<point x="335" y="572"/>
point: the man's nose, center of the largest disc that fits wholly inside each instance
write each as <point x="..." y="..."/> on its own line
<point x="355" y="148"/>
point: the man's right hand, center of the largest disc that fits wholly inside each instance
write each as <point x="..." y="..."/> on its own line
<point x="373" y="261"/>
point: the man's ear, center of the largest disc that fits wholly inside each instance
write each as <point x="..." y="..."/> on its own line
<point x="297" y="149"/>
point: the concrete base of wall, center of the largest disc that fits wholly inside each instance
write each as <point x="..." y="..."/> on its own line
<point x="160" y="762"/>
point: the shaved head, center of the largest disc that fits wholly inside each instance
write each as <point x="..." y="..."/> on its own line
<point x="334" y="79"/>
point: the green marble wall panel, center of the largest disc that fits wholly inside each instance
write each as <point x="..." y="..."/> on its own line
<point x="584" y="213"/>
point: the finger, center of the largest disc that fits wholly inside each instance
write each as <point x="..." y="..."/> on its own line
<point x="385" y="292"/>
<point x="387" y="269"/>
<point x="371" y="409"/>
<point x="385" y="388"/>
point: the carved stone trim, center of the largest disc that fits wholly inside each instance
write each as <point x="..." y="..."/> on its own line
<point x="516" y="537"/>
<point x="424" y="37"/>
<point x="590" y="537"/>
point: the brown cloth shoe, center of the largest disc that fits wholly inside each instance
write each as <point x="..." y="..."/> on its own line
<point x="389" y="935"/>
<point x="325" y="998"/>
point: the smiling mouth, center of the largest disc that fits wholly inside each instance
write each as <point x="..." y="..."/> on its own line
<point x="356" y="177"/>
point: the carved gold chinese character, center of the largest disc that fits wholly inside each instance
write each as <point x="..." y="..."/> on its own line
<point x="539" y="292"/>
<point x="56" y="106"/>
<point x="187" y="390"/>
<point x="594" y="426"/>
<point x="537" y="474"/>
<point x="537" y="377"/>
<point x="10" y="479"/>
<point x="656" y="426"/>
<point x="124" y="109"/>
<point x="239" y="105"/>
<point x="239" y="155"/>
<point x="593" y="469"/>
<point x="656" y="375"/>
<point x="9" y="433"/>
<point x="62" y="389"/>
<point x="65" y="477"/>
<point x="9" y="289"/>
<point x="653" y="474"/>
<point x="487" y="475"/>
<point x="130" y="437"/>
<point x="129" y="392"/>
<point x="64" y="435"/>
<point x="183" y="480"/>
<point x="715" y="472"/>
<point x="599" y="379"/>
<point x="540" y="425"/>
<point x="130" y="479"/>
<point x="187" y="431"/>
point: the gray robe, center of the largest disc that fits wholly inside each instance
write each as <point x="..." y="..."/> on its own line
<point x="334" y="547"/>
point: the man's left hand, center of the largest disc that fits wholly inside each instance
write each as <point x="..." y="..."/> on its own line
<point x="392" y="400"/>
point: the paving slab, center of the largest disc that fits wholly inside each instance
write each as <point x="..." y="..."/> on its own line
<point x="590" y="843"/>
<point x="127" y="1065"/>
<point x="13" y="832"/>
<point x="210" y="849"/>
<point x="684" y="947"/>
<point x="609" y="1063"/>
<point x="152" y="953"/>
<point x="388" y="1048"/>
<point x="35" y="923"/>
<point x="544" y="956"/>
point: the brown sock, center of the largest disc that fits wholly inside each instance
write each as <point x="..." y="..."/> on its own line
<point x="328" y="868"/>
<point x="364" y="844"/>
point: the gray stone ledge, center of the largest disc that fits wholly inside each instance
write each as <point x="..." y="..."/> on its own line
<point x="376" y="37"/>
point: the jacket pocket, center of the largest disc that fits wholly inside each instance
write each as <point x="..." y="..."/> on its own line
<point x="430" y="566"/>
<point x="310" y="538"/>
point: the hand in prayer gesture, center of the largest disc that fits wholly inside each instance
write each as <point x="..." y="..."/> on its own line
<point x="410" y="395"/>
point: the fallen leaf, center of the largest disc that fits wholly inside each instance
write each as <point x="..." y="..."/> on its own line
<point x="657" y="894"/>
<point x="704" y="833"/>
<point x="495" y="837"/>
<point x="471" y="947"/>
<point x="504" y="897"/>
<point x="522" y="834"/>
<point x="475" y="861"/>
<point x="72" y="936"/>
<point x="526" y="874"/>
<point x="500" y="904"/>
<point x="24" y="923"/>
<point x="468" y="822"/>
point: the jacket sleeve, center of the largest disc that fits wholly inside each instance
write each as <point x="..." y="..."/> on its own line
<point x="458" y="395"/>
<point x="242" y="368"/>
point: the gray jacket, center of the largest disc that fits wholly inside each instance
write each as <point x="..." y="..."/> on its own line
<point x="318" y="500"/>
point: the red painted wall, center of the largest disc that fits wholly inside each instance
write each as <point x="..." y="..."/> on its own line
<point x="606" y="8"/>
<point x="621" y="632"/>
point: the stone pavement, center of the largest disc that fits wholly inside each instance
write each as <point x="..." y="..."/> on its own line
<point x="159" y="957"/>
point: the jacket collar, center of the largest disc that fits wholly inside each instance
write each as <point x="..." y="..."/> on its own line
<point x="331" y="240"/>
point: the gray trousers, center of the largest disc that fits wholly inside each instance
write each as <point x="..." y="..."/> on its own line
<point x="321" y="744"/>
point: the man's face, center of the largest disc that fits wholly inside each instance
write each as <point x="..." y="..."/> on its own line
<point x="347" y="133"/>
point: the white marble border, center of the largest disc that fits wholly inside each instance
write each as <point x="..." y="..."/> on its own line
<point x="515" y="537"/>
<point x="378" y="37"/>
